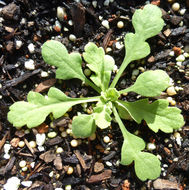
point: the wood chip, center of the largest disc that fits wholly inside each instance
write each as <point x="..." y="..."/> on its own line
<point x="45" y="85"/>
<point x="100" y="177"/>
<point x="48" y="156"/>
<point x="98" y="167"/>
<point x="14" y="142"/>
<point x="58" y="163"/>
<point x="29" y="147"/>
<point x="20" y="133"/>
<point x="54" y="141"/>
<point x="81" y="160"/>
<point x="43" y="128"/>
<point x="2" y="142"/>
<point x="165" y="184"/>
<point x="167" y="32"/>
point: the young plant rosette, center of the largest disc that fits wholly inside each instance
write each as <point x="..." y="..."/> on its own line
<point x="158" y="115"/>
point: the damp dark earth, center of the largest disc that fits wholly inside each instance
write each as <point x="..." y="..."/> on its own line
<point x="49" y="156"/>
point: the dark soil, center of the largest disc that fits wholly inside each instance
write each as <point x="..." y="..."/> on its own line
<point x="35" y="21"/>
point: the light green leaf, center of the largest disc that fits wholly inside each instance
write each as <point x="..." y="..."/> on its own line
<point x="69" y="65"/>
<point x="102" y="114"/>
<point x="100" y="64"/>
<point x="157" y="115"/>
<point x="83" y="126"/>
<point x="38" y="107"/>
<point x="147" y="21"/>
<point x="147" y="166"/>
<point x="150" y="83"/>
<point x="136" y="48"/>
<point x="123" y="113"/>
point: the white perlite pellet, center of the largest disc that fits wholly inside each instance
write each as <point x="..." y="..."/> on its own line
<point x="40" y="139"/>
<point x="105" y="23"/>
<point x="151" y="146"/>
<point x="180" y="58"/>
<point x="72" y="37"/>
<point x="31" y="48"/>
<point x="106" y="3"/>
<point x="18" y="44"/>
<point x="12" y="184"/>
<point x="94" y="3"/>
<point x="26" y="183"/>
<point x="1" y="85"/>
<point x="29" y="64"/>
<point x="44" y="74"/>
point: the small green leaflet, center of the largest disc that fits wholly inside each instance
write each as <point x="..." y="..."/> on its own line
<point x="157" y="115"/>
<point x="83" y="126"/>
<point x="150" y="83"/>
<point x="147" y="21"/>
<point x="100" y="64"/>
<point x="102" y="114"/>
<point x="147" y="166"/>
<point x="69" y="65"/>
<point x="38" y="107"/>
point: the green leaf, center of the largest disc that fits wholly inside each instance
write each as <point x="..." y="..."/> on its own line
<point x="147" y="166"/>
<point x="83" y="126"/>
<point x="150" y="83"/>
<point x="38" y="107"/>
<point x="69" y="65"/>
<point x="136" y="48"/>
<point x="147" y="21"/>
<point x="157" y="115"/>
<point x="102" y="114"/>
<point x="100" y="64"/>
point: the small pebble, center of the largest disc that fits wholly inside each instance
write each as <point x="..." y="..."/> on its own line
<point x="94" y="3"/>
<point x="68" y="187"/>
<point x="7" y="148"/>
<point x="18" y="44"/>
<point x="182" y="11"/>
<point x="186" y="55"/>
<point x="175" y="6"/>
<point x="64" y="134"/>
<point x="69" y="131"/>
<point x="173" y="102"/>
<point x="32" y="144"/>
<point x="105" y="23"/>
<point x="120" y="24"/>
<point x="108" y="49"/>
<point x="51" y="174"/>
<point x="31" y="48"/>
<point x="151" y="146"/>
<point x="70" y="170"/>
<point x="32" y="164"/>
<point x="21" y="144"/>
<point x="72" y="37"/>
<point x="65" y="29"/>
<point x="179" y="64"/>
<point x="175" y="159"/>
<point x="108" y="163"/>
<point x="180" y="58"/>
<point x="135" y="72"/>
<point x="171" y="91"/>
<point x="59" y="150"/>
<point x="74" y="143"/>
<point x="44" y="74"/>
<point x="61" y="14"/>
<point x="40" y="139"/>
<point x="22" y="163"/>
<point x="59" y="189"/>
<point x="29" y="64"/>
<point x="87" y="72"/>
<point x="119" y="45"/>
<point x="26" y="183"/>
<point x="0" y="85"/>
<point x="41" y="148"/>
<point x="106" y="139"/>
<point x="92" y="137"/>
<point x="106" y="3"/>
<point x="171" y="53"/>
<point x="24" y="169"/>
<point x="70" y="22"/>
<point x="52" y="134"/>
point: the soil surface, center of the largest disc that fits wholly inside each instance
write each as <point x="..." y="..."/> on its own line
<point x="24" y="26"/>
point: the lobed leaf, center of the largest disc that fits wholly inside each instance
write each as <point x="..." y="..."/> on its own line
<point x="100" y="64"/>
<point x="147" y="166"/>
<point x="157" y="115"/>
<point x="150" y="83"/>
<point x="69" y="65"/>
<point x="147" y="21"/>
<point x="38" y="107"/>
<point x="83" y="126"/>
